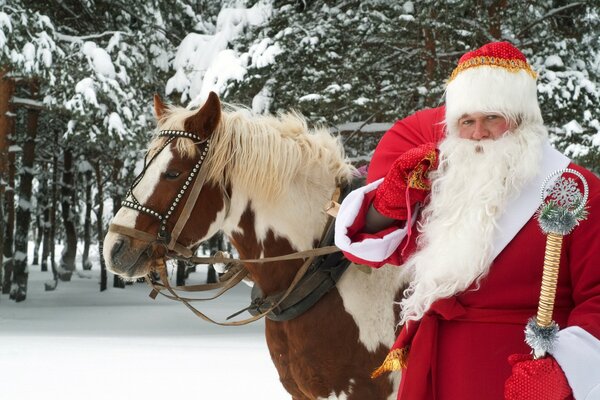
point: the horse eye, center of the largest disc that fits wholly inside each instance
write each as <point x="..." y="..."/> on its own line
<point x="172" y="174"/>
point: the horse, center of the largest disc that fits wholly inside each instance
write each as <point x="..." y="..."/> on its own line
<point x="265" y="182"/>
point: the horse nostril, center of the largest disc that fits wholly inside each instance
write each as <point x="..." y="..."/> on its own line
<point x="117" y="248"/>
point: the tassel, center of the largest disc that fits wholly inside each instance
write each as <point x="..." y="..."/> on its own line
<point x="395" y="360"/>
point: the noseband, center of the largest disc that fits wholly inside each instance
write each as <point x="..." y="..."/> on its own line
<point x="197" y="176"/>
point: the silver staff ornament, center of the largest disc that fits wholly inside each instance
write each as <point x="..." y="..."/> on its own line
<point x="563" y="207"/>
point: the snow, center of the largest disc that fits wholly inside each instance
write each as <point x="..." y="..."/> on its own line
<point x="78" y="343"/>
<point x="311" y="97"/>
<point x="264" y="53"/>
<point x="554" y="61"/>
<point x="372" y="127"/>
<point x="261" y="103"/>
<point x="204" y="63"/>
<point x="115" y="125"/>
<point x="86" y="88"/>
<point x="5" y="21"/>
<point x="99" y="59"/>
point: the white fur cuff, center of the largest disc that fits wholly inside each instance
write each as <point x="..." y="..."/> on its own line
<point x="578" y="354"/>
<point x="373" y="250"/>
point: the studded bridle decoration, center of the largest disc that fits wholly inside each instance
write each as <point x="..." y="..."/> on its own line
<point x="163" y="235"/>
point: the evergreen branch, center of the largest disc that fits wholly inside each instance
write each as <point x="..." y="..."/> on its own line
<point x="549" y="14"/>
<point x="70" y="38"/>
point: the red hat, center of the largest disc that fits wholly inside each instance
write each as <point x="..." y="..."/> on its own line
<point x="494" y="78"/>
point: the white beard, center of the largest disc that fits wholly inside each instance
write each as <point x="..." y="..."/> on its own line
<point x="470" y="190"/>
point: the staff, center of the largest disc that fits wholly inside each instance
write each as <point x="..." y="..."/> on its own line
<point x="557" y="217"/>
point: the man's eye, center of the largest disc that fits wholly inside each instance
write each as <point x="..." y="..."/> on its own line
<point x="172" y="174"/>
<point x="492" y="116"/>
<point x="467" y="122"/>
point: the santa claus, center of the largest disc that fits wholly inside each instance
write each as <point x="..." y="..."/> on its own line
<point x="450" y="198"/>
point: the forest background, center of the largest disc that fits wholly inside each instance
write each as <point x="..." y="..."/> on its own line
<point x="77" y="79"/>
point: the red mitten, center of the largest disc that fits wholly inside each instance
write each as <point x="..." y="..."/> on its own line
<point x="531" y="379"/>
<point x="406" y="183"/>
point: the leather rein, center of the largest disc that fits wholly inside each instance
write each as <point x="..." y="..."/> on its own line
<point x="175" y="250"/>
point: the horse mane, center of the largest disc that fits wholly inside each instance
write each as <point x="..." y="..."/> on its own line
<point x="265" y="153"/>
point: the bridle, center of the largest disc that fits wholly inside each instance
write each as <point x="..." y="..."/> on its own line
<point x="194" y="183"/>
<point x="176" y="250"/>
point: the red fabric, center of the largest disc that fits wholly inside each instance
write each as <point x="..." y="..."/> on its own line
<point x="502" y="50"/>
<point x="541" y="379"/>
<point x="394" y="198"/>
<point x="422" y="127"/>
<point x="472" y="334"/>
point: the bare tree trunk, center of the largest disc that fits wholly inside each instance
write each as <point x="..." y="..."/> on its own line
<point x="45" y="224"/>
<point x="9" y="231"/>
<point x="67" y="261"/>
<point x="7" y="87"/>
<point x="6" y="126"/>
<point x="495" y="17"/>
<point x="100" y="225"/>
<point x="430" y="57"/>
<point x="118" y="282"/>
<point x="85" y="262"/>
<point x="180" y="273"/>
<point x="20" y="274"/>
<point x="38" y="240"/>
<point x="52" y="216"/>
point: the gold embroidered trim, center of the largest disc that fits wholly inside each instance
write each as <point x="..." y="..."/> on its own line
<point x="511" y="65"/>
<point x="416" y="179"/>
<point x="395" y="360"/>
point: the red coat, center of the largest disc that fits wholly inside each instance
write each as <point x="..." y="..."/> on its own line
<point x="461" y="346"/>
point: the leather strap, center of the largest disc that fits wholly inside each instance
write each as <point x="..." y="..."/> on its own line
<point x="187" y="208"/>
<point x="148" y="238"/>
<point x="165" y="279"/>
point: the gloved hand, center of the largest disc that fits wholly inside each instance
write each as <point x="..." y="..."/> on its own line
<point x="406" y="183"/>
<point x="541" y="379"/>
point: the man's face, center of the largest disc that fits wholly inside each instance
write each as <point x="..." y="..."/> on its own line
<point x="478" y="126"/>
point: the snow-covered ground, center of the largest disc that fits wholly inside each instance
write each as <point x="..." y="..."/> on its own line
<point x="78" y="343"/>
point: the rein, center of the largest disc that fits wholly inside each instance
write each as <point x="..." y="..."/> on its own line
<point x="176" y="250"/>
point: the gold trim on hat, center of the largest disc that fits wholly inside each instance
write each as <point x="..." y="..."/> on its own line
<point x="486" y="61"/>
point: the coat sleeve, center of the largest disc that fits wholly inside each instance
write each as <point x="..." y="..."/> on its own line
<point x="577" y="349"/>
<point x="373" y="249"/>
<point x="386" y="246"/>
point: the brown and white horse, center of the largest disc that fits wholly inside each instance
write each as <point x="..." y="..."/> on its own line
<point x="267" y="181"/>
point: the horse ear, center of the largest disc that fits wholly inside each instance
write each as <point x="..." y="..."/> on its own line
<point x="205" y="121"/>
<point x="159" y="107"/>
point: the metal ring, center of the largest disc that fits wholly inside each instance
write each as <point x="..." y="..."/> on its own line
<point x="586" y="190"/>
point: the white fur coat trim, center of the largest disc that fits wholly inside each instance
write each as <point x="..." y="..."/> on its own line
<point x="578" y="354"/>
<point x="519" y="210"/>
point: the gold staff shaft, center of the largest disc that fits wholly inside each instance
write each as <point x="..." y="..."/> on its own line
<point x="549" y="279"/>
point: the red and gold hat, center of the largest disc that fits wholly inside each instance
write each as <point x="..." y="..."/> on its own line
<point x="495" y="78"/>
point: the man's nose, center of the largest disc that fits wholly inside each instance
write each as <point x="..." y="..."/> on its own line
<point x="480" y="131"/>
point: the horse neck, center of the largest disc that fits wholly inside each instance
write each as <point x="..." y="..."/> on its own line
<point x="265" y="230"/>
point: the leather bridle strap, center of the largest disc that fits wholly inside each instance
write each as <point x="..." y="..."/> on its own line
<point x="320" y="251"/>
<point x="148" y="238"/>
<point x="228" y="280"/>
<point x="187" y="208"/>
<point x="165" y="279"/>
<point x="179" y="248"/>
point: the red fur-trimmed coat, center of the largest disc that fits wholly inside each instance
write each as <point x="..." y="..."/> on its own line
<point x="461" y="348"/>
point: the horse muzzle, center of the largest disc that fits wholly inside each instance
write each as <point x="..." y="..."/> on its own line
<point x="130" y="258"/>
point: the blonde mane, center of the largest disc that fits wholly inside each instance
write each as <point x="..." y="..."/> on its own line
<point x="264" y="154"/>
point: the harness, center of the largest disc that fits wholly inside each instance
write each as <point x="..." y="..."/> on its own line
<point x="313" y="280"/>
<point x="322" y="275"/>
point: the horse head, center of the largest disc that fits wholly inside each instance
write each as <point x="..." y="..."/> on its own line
<point x="170" y="188"/>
